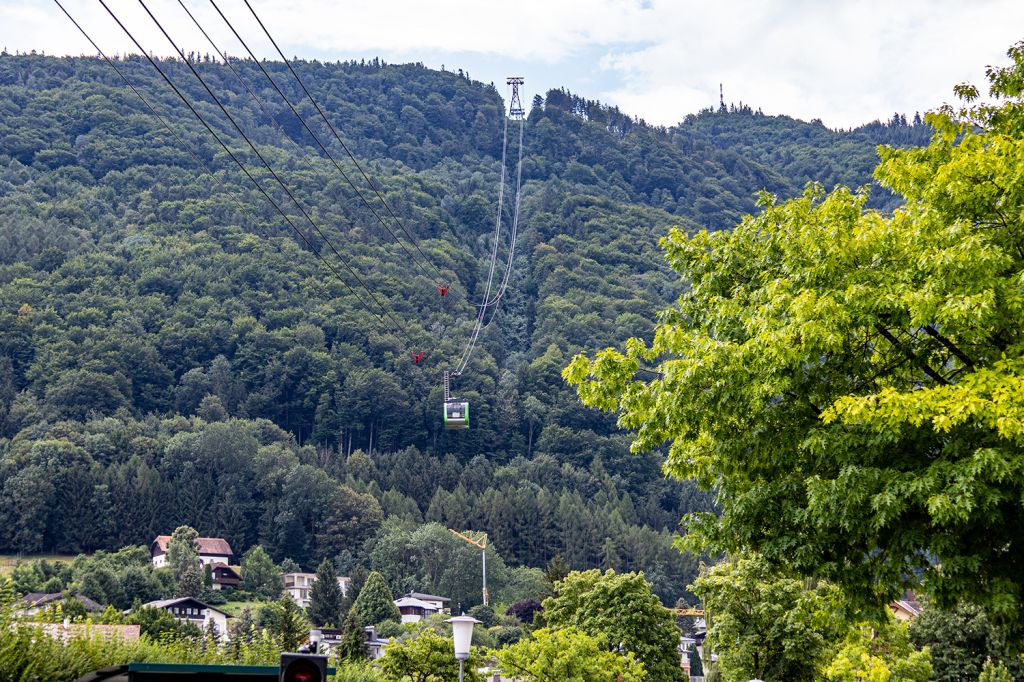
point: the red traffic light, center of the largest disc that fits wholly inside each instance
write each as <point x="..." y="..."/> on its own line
<point x="303" y="668"/>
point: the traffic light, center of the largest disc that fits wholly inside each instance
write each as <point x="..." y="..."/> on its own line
<point x="303" y="668"/>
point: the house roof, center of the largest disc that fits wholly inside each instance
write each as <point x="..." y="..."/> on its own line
<point x="220" y="565"/>
<point x="166" y="603"/>
<point x="42" y="598"/>
<point x="426" y="597"/>
<point x="907" y="606"/>
<point x="412" y="601"/>
<point x="215" y="546"/>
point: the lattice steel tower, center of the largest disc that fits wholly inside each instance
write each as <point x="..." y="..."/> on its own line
<point x="515" y="105"/>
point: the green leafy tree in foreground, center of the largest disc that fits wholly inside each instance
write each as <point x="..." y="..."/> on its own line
<point x="620" y="611"/>
<point x="427" y="658"/>
<point x="879" y="652"/>
<point x="765" y="625"/>
<point x="849" y="382"/>
<point x="375" y="604"/>
<point x="566" y="655"/>
<point x="260" y="575"/>
<point x="325" y="596"/>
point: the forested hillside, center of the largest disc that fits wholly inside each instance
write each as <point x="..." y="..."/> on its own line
<point x="170" y="353"/>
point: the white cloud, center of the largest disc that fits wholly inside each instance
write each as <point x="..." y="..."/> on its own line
<point x="846" y="62"/>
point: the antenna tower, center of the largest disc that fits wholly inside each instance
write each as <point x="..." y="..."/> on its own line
<point x="721" y="96"/>
<point x="515" y="105"/>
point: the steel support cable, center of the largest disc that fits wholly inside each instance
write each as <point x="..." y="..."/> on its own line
<point x="515" y="226"/>
<point x="188" y="147"/>
<point x="471" y="344"/>
<point x="302" y="120"/>
<point x="145" y="101"/>
<point x="256" y="98"/>
<point x="330" y="126"/>
<point x="241" y="166"/>
<point x="386" y="313"/>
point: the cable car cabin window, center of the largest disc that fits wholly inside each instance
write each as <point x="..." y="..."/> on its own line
<point x="456" y="415"/>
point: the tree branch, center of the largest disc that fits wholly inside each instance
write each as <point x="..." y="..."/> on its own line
<point x="911" y="355"/>
<point x="949" y="345"/>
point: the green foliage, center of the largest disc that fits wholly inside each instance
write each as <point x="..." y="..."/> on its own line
<point x="325" y="596"/>
<point x="375" y="603"/>
<point x="569" y="655"/>
<point x="879" y="653"/>
<point x="289" y="626"/>
<point x="846" y="380"/>
<point x="429" y="657"/>
<point x="768" y="626"/>
<point x="623" y="614"/>
<point x="351" y="671"/>
<point x="190" y="582"/>
<point x="961" y="640"/>
<point x="352" y="646"/>
<point x="696" y="664"/>
<point x="484" y="614"/>
<point x="27" y="653"/>
<point x="994" y="672"/>
<point x="159" y="624"/>
<point x="216" y="344"/>
<point x="260" y="575"/>
<point x="183" y="553"/>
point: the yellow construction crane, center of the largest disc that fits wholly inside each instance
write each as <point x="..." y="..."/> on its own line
<point x="689" y="612"/>
<point x="479" y="540"/>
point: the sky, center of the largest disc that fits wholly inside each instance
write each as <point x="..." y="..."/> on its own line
<point x="844" y="62"/>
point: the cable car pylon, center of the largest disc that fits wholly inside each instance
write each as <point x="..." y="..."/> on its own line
<point x="456" y="412"/>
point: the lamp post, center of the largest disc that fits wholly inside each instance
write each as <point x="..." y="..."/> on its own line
<point x="462" y="634"/>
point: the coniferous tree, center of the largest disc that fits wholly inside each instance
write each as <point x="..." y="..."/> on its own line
<point x="375" y="604"/>
<point x="289" y="627"/>
<point x="244" y="627"/>
<point x="357" y="578"/>
<point x="352" y="646"/>
<point x="325" y="597"/>
<point x="190" y="584"/>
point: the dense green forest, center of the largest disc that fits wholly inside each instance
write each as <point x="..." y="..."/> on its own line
<point x="171" y="354"/>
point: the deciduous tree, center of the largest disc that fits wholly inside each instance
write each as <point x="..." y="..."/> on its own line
<point x="566" y="655"/>
<point x="621" y="611"/>
<point x="183" y="551"/>
<point x="879" y="652"/>
<point x="848" y="381"/>
<point x="260" y="575"/>
<point x="427" y="658"/>
<point x="765" y="625"/>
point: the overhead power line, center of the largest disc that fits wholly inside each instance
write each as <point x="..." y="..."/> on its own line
<point x="245" y="170"/>
<point x="333" y="131"/>
<point x="412" y="255"/>
<point x="266" y="164"/>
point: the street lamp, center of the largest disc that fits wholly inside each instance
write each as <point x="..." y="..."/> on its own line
<point x="462" y="634"/>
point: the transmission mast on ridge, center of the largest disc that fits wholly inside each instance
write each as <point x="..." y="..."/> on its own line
<point x="515" y="105"/>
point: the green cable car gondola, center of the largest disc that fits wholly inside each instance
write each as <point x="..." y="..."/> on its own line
<point x="456" y="415"/>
